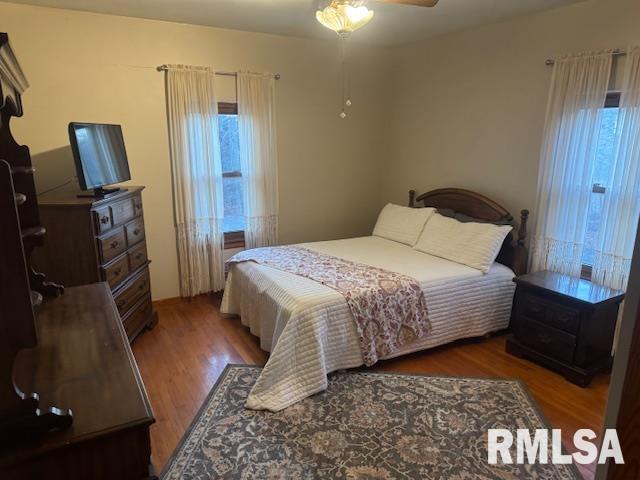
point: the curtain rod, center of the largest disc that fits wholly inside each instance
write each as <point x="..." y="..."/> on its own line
<point x="164" y="68"/>
<point x="549" y="62"/>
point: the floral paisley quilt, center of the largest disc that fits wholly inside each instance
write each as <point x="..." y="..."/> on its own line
<point x="389" y="309"/>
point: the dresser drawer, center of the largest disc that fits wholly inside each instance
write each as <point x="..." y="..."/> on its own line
<point x="135" y="231"/>
<point x="137" y="205"/>
<point x="137" y="256"/>
<point x="533" y="307"/>
<point x="117" y="271"/>
<point x="103" y="219"/>
<point x="122" y="212"/>
<point x="547" y="340"/>
<point x="132" y="291"/>
<point x="112" y="245"/>
<point x="138" y="317"/>
<point x="551" y="313"/>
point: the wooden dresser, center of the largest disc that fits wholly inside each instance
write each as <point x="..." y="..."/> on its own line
<point x="565" y="323"/>
<point x="93" y="240"/>
<point x="83" y="363"/>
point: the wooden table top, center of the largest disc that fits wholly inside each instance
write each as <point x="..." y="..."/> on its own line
<point x="83" y="362"/>
<point x="571" y="287"/>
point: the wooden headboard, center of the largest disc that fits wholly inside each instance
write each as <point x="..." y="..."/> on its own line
<point x="513" y="253"/>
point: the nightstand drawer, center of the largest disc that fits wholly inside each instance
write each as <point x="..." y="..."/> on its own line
<point x="533" y="307"/>
<point x="550" y="341"/>
<point x="550" y="313"/>
<point x="564" y="318"/>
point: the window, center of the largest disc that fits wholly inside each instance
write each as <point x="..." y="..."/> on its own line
<point x="233" y="224"/>
<point x="602" y="172"/>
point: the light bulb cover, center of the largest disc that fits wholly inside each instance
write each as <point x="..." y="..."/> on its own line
<point x="344" y="16"/>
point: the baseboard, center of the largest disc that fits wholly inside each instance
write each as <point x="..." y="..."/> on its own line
<point x="167" y="302"/>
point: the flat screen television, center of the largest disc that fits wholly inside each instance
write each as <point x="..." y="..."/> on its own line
<point x="100" y="156"/>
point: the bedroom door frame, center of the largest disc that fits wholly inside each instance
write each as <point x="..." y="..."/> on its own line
<point x="623" y="404"/>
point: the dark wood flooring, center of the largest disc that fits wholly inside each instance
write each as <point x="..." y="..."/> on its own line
<point x="181" y="359"/>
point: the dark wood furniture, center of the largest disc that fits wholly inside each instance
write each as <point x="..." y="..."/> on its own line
<point x="21" y="288"/>
<point x="83" y="360"/>
<point x="565" y="323"/>
<point x="13" y="83"/>
<point x="513" y="254"/>
<point x="92" y="240"/>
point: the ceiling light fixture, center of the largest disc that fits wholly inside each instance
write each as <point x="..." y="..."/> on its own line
<point x="343" y="16"/>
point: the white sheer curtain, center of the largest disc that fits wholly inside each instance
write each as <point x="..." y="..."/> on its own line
<point x="258" y="157"/>
<point x="622" y="198"/>
<point x="197" y="178"/>
<point x="578" y="93"/>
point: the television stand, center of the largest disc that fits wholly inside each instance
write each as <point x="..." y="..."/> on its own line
<point x="101" y="192"/>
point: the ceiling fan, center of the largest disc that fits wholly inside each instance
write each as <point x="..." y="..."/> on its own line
<point x="346" y="16"/>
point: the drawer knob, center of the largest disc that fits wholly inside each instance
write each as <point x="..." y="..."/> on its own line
<point x="104" y="220"/>
<point x="544" y="338"/>
<point x="138" y="256"/>
<point x="142" y="286"/>
<point x="136" y="231"/>
<point x="117" y="272"/>
<point x="115" y="244"/>
<point x="122" y="303"/>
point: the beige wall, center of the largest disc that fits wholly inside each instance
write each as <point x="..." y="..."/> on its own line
<point x="467" y="109"/>
<point x="99" y="68"/>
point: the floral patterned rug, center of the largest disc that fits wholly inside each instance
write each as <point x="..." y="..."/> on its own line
<point x="373" y="426"/>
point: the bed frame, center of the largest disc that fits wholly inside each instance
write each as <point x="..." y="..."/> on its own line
<point x="513" y="253"/>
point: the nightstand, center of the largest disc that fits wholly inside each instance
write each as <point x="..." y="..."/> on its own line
<point x="564" y="323"/>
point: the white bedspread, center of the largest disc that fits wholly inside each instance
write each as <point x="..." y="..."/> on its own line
<point x="308" y="327"/>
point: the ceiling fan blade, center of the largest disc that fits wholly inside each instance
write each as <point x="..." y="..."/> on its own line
<point x="417" y="3"/>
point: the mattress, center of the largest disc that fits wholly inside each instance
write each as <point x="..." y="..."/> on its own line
<point x="308" y="327"/>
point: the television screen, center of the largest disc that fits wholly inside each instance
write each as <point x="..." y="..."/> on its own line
<point x="99" y="153"/>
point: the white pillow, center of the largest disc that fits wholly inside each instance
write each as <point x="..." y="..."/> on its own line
<point x="402" y="224"/>
<point x="473" y="244"/>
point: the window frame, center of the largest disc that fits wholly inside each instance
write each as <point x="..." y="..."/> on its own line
<point x="611" y="101"/>
<point x="231" y="239"/>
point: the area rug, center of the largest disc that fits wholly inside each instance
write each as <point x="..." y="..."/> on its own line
<point x="374" y="426"/>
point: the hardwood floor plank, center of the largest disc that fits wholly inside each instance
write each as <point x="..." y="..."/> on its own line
<point x="182" y="357"/>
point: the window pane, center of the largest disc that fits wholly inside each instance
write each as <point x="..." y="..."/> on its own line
<point x="602" y="172"/>
<point x="232" y="186"/>
<point x="233" y="205"/>
<point x="229" y="142"/>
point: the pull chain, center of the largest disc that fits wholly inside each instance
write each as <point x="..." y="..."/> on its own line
<point x="346" y="83"/>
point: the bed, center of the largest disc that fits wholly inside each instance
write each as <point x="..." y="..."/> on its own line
<point x="308" y="327"/>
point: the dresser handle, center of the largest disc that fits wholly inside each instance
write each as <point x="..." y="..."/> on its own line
<point x="117" y="272"/>
<point x="136" y="232"/>
<point x="142" y="286"/>
<point x="122" y="303"/>
<point x="104" y="220"/>
<point x="115" y="244"/>
<point x="544" y="338"/>
<point x="138" y="256"/>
